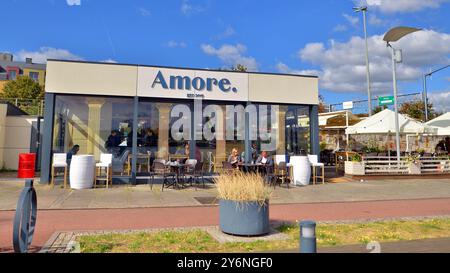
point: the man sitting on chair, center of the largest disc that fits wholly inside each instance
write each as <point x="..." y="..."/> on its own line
<point x="265" y="160"/>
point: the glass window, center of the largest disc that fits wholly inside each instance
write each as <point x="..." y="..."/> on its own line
<point x="12" y="75"/>
<point x="164" y="129"/>
<point x="34" y="76"/>
<point x="97" y="125"/>
<point x="281" y="129"/>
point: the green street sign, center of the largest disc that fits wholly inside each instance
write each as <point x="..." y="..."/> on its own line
<point x="387" y="100"/>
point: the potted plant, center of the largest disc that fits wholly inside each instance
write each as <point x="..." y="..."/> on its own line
<point x="414" y="164"/>
<point x="355" y="166"/>
<point x="243" y="204"/>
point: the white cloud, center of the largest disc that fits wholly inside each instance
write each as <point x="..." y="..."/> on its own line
<point x="188" y="9"/>
<point x="45" y="53"/>
<point x="343" y="67"/>
<point x="144" y="12"/>
<point x="376" y="21"/>
<point x="354" y="21"/>
<point x="229" y="31"/>
<point x="339" y="28"/>
<point x="283" y="68"/>
<point x="173" y="44"/>
<point x="231" y="55"/>
<point x="109" y="61"/>
<point x="73" y="2"/>
<point x="440" y="100"/>
<point x="402" y="6"/>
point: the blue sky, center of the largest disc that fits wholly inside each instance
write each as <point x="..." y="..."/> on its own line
<point x="305" y="37"/>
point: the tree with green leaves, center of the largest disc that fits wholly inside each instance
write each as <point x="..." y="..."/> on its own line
<point x="378" y="109"/>
<point x="239" y="67"/>
<point x="23" y="88"/>
<point x="416" y="109"/>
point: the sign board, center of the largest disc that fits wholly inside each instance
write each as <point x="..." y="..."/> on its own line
<point x="347" y="105"/>
<point x="387" y="100"/>
<point x="188" y="84"/>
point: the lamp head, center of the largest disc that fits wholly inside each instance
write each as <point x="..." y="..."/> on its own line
<point x="359" y="9"/>
<point x="397" y="33"/>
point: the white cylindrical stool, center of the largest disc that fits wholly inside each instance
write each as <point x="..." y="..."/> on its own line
<point x="82" y="170"/>
<point x="301" y="169"/>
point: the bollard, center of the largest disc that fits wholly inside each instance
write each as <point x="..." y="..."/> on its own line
<point x="308" y="237"/>
<point x="25" y="218"/>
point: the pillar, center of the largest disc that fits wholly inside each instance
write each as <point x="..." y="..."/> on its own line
<point x="163" y="130"/>
<point x="280" y="128"/>
<point x="47" y="137"/>
<point x="314" y="129"/>
<point x="94" y="142"/>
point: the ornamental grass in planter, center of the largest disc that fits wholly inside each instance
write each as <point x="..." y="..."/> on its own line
<point x="244" y="204"/>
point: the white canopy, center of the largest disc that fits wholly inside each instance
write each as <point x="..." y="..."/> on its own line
<point x="442" y="123"/>
<point x="384" y="123"/>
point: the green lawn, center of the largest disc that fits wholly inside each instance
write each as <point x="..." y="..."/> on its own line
<point x="327" y="235"/>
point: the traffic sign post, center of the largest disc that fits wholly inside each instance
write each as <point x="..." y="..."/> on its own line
<point x="387" y="100"/>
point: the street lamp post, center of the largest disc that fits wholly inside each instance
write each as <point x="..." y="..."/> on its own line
<point x="394" y="35"/>
<point x="364" y="10"/>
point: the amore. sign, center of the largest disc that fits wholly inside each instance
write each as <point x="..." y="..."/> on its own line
<point x="184" y="83"/>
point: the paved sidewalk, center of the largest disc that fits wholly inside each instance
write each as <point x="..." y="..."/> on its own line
<point x="123" y="196"/>
<point x="50" y="221"/>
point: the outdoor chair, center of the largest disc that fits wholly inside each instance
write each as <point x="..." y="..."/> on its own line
<point x="105" y="164"/>
<point x="196" y="173"/>
<point x="315" y="164"/>
<point x="281" y="174"/>
<point x="227" y="168"/>
<point x="59" y="162"/>
<point x="119" y="162"/>
<point x="161" y="170"/>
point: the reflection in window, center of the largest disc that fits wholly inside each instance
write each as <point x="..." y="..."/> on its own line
<point x="98" y="125"/>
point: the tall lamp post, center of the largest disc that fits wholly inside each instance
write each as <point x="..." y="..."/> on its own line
<point x="364" y="10"/>
<point x="394" y="35"/>
<point x="424" y="94"/>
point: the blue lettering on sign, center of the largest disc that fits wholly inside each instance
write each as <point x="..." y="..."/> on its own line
<point x="199" y="84"/>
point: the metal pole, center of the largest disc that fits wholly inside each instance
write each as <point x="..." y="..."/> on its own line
<point x="397" y="130"/>
<point x="367" y="64"/>
<point x="425" y="99"/>
<point x="346" y="125"/>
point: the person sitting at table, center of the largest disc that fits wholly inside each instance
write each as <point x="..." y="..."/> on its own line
<point x="234" y="159"/>
<point x="265" y="160"/>
<point x="186" y="151"/>
<point x="72" y="152"/>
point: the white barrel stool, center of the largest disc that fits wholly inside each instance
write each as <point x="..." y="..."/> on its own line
<point x="82" y="170"/>
<point x="301" y="169"/>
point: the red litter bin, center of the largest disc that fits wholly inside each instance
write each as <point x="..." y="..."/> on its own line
<point x="26" y="165"/>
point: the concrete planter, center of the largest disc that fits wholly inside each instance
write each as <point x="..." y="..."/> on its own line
<point x="354" y="168"/>
<point x="244" y="218"/>
<point x="414" y="168"/>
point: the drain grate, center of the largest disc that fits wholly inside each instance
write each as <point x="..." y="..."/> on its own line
<point x="207" y="200"/>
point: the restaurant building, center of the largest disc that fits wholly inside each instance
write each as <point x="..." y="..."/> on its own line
<point x="156" y="111"/>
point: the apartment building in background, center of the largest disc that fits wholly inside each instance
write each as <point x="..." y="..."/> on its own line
<point x="10" y="69"/>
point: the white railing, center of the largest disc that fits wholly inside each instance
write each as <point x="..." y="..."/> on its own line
<point x="388" y="164"/>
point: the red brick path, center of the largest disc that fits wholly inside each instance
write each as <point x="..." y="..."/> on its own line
<point x="50" y="221"/>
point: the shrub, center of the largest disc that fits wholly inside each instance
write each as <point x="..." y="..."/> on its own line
<point x="242" y="187"/>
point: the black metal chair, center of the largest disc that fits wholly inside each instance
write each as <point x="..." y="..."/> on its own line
<point x="227" y="167"/>
<point x="197" y="173"/>
<point x="160" y="169"/>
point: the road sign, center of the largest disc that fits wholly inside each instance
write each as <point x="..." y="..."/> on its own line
<point x="347" y="105"/>
<point x="387" y="100"/>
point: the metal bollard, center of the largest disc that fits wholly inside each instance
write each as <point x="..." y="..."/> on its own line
<point x="308" y="237"/>
<point x="25" y="218"/>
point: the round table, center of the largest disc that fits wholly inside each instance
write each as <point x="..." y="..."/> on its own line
<point x="82" y="171"/>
